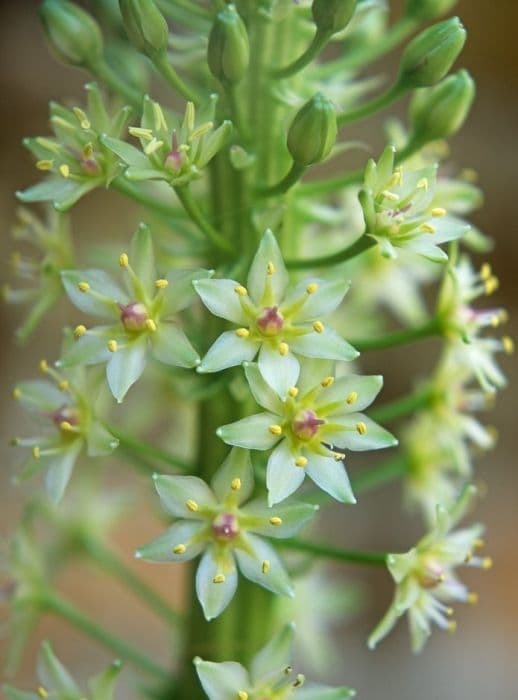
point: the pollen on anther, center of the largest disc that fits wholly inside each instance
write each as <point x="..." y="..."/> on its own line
<point x="17" y="394"/>
<point x="192" y="505"/>
<point x="219" y="578"/>
<point x="63" y="385"/>
<point x="42" y="692"/>
<point x="235" y="484"/>
<point x="270" y="268"/>
<point x="487" y="563"/>
<point x="351" y="398"/>
<point x="361" y="428"/>
<point x="427" y="228"/>
<point x="123" y="260"/>
<point x="508" y="344"/>
<point x="36" y="452"/>
<point x="472" y="598"/>
<point x="79" y="331"/>
<point x="44" y="367"/>
<point x="452" y="626"/>
<point x="179" y="549"/>
<point x="485" y="271"/>
<point x="265" y="567"/>
<point x="150" y="325"/>
<point x="112" y="345"/>
<point x="318" y="327"/>
<point x="161" y="284"/>
<point x="275" y="521"/>
<point x="327" y="382"/>
<point x="392" y="196"/>
<point x="242" y="695"/>
<point x="241" y="291"/>
<point x="65" y="426"/>
<point x="83" y="287"/>
<point x="275" y="429"/>
<point x="423" y="184"/>
<point x="293" y="391"/>
<point x="312" y="288"/>
<point x="64" y="170"/>
<point x="284" y="349"/>
<point x="301" y="461"/>
<point x="45" y="164"/>
<point x="491" y="285"/>
<point x="242" y="332"/>
<point x="437" y="212"/>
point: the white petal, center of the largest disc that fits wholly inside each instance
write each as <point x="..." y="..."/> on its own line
<point x="227" y="351"/>
<point x="222" y="681"/>
<point x="263" y="392"/>
<point x="60" y="470"/>
<point x="328" y="345"/>
<point x="220" y="298"/>
<point x="237" y="465"/>
<point x="321" y="303"/>
<point x="272" y="659"/>
<point x="252" y="432"/>
<point x="176" y="491"/>
<point x="374" y="438"/>
<point x="280" y="371"/>
<point x="161" y="548"/>
<point x="330" y="475"/>
<point x="294" y="517"/>
<point x="214" y="597"/>
<point x="171" y="346"/>
<point x="251" y="566"/>
<point x="125" y="366"/>
<point x="268" y="252"/>
<point x="365" y="387"/>
<point x="282" y="476"/>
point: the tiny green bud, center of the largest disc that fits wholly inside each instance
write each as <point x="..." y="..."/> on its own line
<point x="228" y="50"/>
<point x="426" y="10"/>
<point x="72" y="32"/>
<point x="145" y="26"/>
<point x="312" y="133"/>
<point x="429" y="57"/>
<point x="440" y="111"/>
<point x="332" y="16"/>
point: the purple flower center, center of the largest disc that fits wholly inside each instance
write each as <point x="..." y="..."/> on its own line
<point x="67" y="414"/>
<point x="305" y="425"/>
<point x="175" y="158"/>
<point x="90" y="166"/>
<point x="270" y="321"/>
<point x="431" y="575"/>
<point x="134" y="316"/>
<point x="225" y="526"/>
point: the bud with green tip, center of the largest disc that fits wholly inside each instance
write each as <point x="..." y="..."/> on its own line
<point x="439" y="112"/>
<point x="312" y="133"/>
<point x="332" y="16"/>
<point x="426" y="10"/>
<point x="228" y="51"/>
<point x="429" y="57"/>
<point x="145" y="26"/>
<point x="72" y="32"/>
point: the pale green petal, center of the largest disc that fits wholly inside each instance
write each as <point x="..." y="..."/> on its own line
<point x="330" y="475"/>
<point x="252" y="432"/>
<point x="236" y="466"/>
<point x="324" y="692"/>
<point x="383" y="627"/>
<point x="361" y="390"/>
<point x="374" y="438"/>
<point x="427" y="249"/>
<point x="282" y="476"/>
<point x="294" y="517"/>
<point x="228" y="350"/>
<point x="270" y="661"/>
<point x="15" y="694"/>
<point x="251" y="566"/>
<point x="328" y="345"/>
<point x="268" y="252"/>
<point x="214" y="597"/>
<point x="64" y="192"/>
<point x="99" y="441"/>
<point x="280" y="371"/>
<point x="126" y="152"/>
<point x="220" y="298"/>
<point x="176" y="491"/>
<point x="222" y="681"/>
<point x="90" y="349"/>
<point x="143" y="174"/>
<point x="161" y="548"/>
<point x="213" y="143"/>
<point x="312" y="372"/>
<point x="142" y="260"/>
<point x="60" y="470"/>
<point x="321" y="303"/>
<point x="448" y="228"/>
<point x="101" y="283"/>
<point x="262" y="392"/>
<point x="172" y="347"/>
<point x="125" y="367"/>
<point x="53" y="675"/>
<point x="180" y="291"/>
<point x="102" y="686"/>
<point x="40" y="395"/>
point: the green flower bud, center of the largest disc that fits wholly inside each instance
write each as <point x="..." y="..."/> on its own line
<point x="312" y="133"/>
<point x="426" y="10"/>
<point x="72" y="32"/>
<point x="145" y="26"/>
<point x="429" y="57"/>
<point x="332" y="16"/>
<point x="228" y="51"/>
<point x="440" y="111"/>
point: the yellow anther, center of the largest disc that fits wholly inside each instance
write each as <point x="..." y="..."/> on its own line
<point x="469" y="175"/>
<point x="312" y="288"/>
<point x="190" y="114"/>
<point x="293" y="391"/>
<point x="242" y="695"/>
<point x="338" y="456"/>
<point x="140" y="133"/>
<point x="44" y="367"/>
<point x="112" y="345"/>
<point x="275" y="429"/>
<point x="36" y="452"/>
<point x="200" y="131"/>
<point x="491" y="285"/>
<point x="496" y="320"/>
<point x="65" y="426"/>
<point x="161" y="284"/>
<point x="284" y="349"/>
<point x="479" y="543"/>
<point x="392" y="196"/>
<point x="270" y="268"/>
<point x="265" y="567"/>
<point x="449" y="612"/>
<point x="301" y="461"/>
<point x="487" y="563"/>
<point x="441" y="578"/>
<point x="288" y="670"/>
<point x="79" y="331"/>
<point x="64" y="170"/>
<point x="219" y="578"/>
<point x="192" y="505"/>
<point x="150" y="325"/>
<point x="179" y="549"/>
<point x="452" y="626"/>
<point x="153" y="146"/>
<point x="427" y="228"/>
<point x="42" y="692"/>
<point x="508" y="344"/>
<point x="437" y="212"/>
<point x="81" y="118"/>
<point x="485" y="271"/>
<point x="395" y="179"/>
<point x="123" y="260"/>
<point x="468" y="557"/>
<point x="88" y="150"/>
<point x="242" y="291"/>
<point x="361" y="428"/>
<point x="299" y="681"/>
<point x="351" y="398"/>
<point x="45" y="164"/>
<point x="235" y="484"/>
<point x="275" y="521"/>
<point x="423" y="184"/>
<point x="17" y="393"/>
<point x="472" y="598"/>
<point x="83" y="287"/>
<point x="327" y="382"/>
<point x="242" y="332"/>
<point x="160" y="122"/>
<point x="318" y="327"/>
<point x="63" y="385"/>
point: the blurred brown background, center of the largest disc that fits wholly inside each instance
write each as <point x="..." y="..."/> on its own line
<point x="480" y="660"/>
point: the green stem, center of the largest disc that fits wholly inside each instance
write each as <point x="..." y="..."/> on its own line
<point x="191" y="207"/>
<point x="236" y="112"/>
<point x="161" y="63"/>
<point x="369" y="108"/>
<point x="357" y="248"/>
<point x="408" y="335"/>
<point x="402" y="407"/>
<point x="129" y="189"/>
<point x="149" y="451"/>
<point x="385" y="473"/>
<point x="54" y="603"/>
<point x="194" y="8"/>
<point x="291" y="178"/>
<point x="323" y="550"/>
<point x="101" y="70"/>
<point x="318" y="43"/>
<point x="111" y="563"/>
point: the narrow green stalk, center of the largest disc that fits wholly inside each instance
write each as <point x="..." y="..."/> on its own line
<point x="357" y="248"/>
<point x="402" y="407"/>
<point x="54" y="603"/>
<point x="191" y="207"/>
<point x="386" y="473"/>
<point x="166" y="70"/>
<point x="429" y="329"/>
<point x="193" y="8"/>
<point x="291" y="178"/>
<point x="149" y="451"/>
<point x="236" y="112"/>
<point x="101" y="70"/>
<point x="107" y="560"/>
<point x="369" y="108"/>
<point x="323" y="550"/>
<point x="129" y="189"/>
<point x="318" y="43"/>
